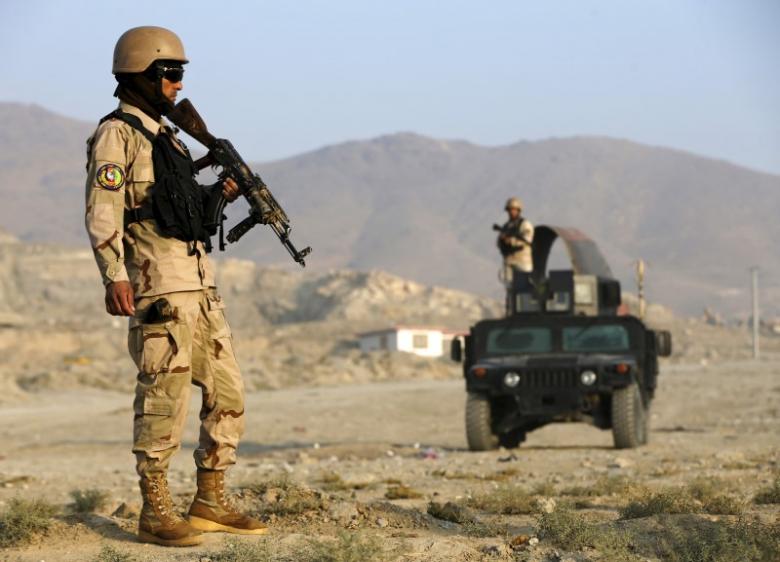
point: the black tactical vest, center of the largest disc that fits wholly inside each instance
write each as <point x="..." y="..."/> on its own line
<point x="177" y="200"/>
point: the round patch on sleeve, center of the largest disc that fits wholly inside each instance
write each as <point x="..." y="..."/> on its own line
<point x="111" y="177"/>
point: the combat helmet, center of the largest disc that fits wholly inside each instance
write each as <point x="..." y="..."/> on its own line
<point x="513" y="203"/>
<point x="139" y="47"/>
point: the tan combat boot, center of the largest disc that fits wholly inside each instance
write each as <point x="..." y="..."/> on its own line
<point x="211" y="512"/>
<point x="159" y="523"/>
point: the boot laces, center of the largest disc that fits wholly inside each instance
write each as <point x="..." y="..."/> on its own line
<point x="162" y="497"/>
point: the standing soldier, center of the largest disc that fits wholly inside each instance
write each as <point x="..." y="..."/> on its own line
<point x="515" y="239"/>
<point x="144" y="218"/>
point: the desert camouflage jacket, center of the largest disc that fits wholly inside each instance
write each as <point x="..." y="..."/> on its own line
<point x="120" y="174"/>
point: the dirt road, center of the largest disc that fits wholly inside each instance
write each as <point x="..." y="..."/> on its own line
<point x="350" y="446"/>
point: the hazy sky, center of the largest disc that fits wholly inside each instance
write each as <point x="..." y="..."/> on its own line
<point x="280" y="78"/>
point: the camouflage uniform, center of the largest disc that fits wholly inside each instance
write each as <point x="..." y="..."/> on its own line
<point x="520" y="239"/>
<point x="194" y="345"/>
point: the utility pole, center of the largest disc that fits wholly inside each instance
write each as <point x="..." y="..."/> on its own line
<point x="756" y="313"/>
<point x="640" y="284"/>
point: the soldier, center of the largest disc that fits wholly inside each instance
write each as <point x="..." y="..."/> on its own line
<point x="144" y="220"/>
<point x="515" y="239"/>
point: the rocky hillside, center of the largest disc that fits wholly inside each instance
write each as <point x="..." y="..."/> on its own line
<point x="290" y="327"/>
<point x="422" y="208"/>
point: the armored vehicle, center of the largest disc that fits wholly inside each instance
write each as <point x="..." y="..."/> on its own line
<point x="566" y="351"/>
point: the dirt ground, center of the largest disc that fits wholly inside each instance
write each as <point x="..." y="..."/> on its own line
<point x="349" y="447"/>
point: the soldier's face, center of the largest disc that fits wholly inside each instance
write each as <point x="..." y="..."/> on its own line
<point x="171" y="89"/>
<point x="514" y="212"/>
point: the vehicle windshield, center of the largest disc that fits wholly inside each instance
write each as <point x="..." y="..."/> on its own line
<point x="606" y="338"/>
<point x="503" y="341"/>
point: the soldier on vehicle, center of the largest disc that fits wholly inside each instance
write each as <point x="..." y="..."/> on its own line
<point x="514" y="240"/>
<point x="144" y="220"/>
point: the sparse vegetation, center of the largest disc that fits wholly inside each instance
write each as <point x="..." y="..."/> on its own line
<point x="110" y="554"/>
<point x="700" y="496"/>
<point x="769" y="494"/>
<point x="700" y="540"/>
<point x="88" y="501"/>
<point x="237" y="550"/>
<point x="571" y="531"/>
<point x="506" y="499"/>
<point x="402" y="492"/>
<point x="348" y="547"/>
<point x="23" y="519"/>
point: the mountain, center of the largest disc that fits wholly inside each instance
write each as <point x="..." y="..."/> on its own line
<point x="422" y="208"/>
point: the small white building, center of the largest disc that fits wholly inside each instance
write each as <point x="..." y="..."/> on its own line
<point x="420" y="340"/>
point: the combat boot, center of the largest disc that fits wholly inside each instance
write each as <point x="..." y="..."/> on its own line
<point x="159" y="523"/>
<point x="210" y="511"/>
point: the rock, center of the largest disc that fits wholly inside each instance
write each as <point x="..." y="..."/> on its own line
<point x="271" y="495"/>
<point x="381" y="522"/>
<point x="533" y="541"/>
<point x="620" y="462"/>
<point x="546" y="505"/>
<point x="496" y="550"/>
<point x="126" y="511"/>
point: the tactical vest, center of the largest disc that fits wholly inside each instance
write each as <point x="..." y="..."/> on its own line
<point x="177" y="200"/>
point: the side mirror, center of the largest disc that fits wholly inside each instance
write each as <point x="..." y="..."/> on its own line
<point x="456" y="350"/>
<point x="663" y="343"/>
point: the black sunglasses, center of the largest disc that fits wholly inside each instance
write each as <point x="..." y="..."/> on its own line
<point x="172" y="74"/>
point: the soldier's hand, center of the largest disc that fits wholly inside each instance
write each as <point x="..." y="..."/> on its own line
<point x="230" y="190"/>
<point x="120" y="299"/>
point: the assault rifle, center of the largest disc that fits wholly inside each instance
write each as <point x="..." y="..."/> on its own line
<point x="263" y="207"/>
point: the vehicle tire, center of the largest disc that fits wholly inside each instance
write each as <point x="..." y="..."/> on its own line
<point x="629" y="418"/>
<point x="511" y="439"/>
<point x="479" y="431"/>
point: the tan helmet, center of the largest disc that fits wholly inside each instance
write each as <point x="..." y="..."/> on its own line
<point x="513" y="203"/>
<point x="139" y="47"/>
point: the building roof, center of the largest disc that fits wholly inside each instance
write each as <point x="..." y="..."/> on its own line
<point x="398" y="328"/>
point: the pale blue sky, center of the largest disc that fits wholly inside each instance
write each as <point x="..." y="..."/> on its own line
<point x="285" y="77"/>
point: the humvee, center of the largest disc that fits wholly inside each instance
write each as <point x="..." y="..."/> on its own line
<point x="566" y="351"/>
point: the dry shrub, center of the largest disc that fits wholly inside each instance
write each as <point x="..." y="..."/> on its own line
<point x="700" y="496"/>
<point x="348" y="547"/>
<point x="236" y="550"/>
<point x="402" y="492"/>
<point x="769" y="494"/>
<point x="23" y="519"/>
<point x="88" y="501"/>
<point x="110" y="554"/>
<point x="699" y="540"/>
<point x="571" y="531"/>
<point x="506" y="500"/>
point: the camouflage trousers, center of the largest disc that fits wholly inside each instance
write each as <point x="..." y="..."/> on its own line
<point x="190" y="345"/>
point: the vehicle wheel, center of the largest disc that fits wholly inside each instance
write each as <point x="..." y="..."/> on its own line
<point x="511" y="439"/>
<point x="479" y="432"/>
<point x="629" y="418"/>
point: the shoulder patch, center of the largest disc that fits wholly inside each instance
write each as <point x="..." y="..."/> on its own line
<point x="110" y="176"/>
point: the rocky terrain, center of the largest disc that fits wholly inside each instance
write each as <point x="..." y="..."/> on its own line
<point x="361" y="456"/>
<point x="291" y="328"/>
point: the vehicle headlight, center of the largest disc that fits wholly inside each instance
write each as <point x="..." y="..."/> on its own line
<point x="588" y="377"/>
<point x="511" y="379"/>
